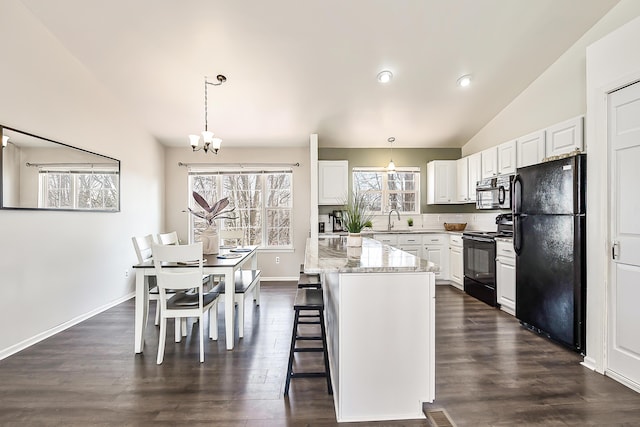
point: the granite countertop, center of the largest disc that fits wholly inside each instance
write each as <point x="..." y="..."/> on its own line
<point x="332" y="255"/>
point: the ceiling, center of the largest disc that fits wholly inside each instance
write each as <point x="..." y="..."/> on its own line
<point x="296" y="67"/>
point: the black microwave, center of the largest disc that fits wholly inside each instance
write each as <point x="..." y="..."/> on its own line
<point x="494" y="193"/>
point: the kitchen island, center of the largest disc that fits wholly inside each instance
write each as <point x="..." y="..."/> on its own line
<point x="380" y="315"/>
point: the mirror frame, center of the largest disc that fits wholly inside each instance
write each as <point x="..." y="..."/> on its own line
<point x="2" y="205"/>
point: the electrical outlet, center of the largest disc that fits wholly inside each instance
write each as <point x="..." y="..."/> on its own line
<point x="277" y="260"/>
<point x="126" y="274"/>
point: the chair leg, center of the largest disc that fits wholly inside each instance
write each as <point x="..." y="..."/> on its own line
<point x="291" y="351"/>
<point x="157" y="312"/>
<point x="161" y="340"/>
<point x="240" y="302"/>
<point x="325" y="352"/>
<point x="201" y="330"/>
<point x="213" y="322"/>
<point x="178" y="329"/>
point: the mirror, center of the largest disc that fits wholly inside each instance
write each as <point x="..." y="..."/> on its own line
<point x="38" y="173"/>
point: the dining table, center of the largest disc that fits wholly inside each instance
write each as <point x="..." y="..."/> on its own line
<point x="225" y="263"/>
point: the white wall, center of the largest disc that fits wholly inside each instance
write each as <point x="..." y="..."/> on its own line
<point x="612" y="63"/>
<point x="557" y="95"/>
<point x="177" y="197"/>
<point x="58" y="266"/>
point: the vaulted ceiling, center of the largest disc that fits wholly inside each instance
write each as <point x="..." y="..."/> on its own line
<point x="296" y="67"/>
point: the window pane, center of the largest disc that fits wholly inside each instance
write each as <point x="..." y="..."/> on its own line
<point x="262" y="205"/>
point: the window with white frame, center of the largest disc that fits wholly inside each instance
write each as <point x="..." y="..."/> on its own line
<point x="86" y="188"/>
<point x="385" y="191"/>
<point x="262" y="202"/>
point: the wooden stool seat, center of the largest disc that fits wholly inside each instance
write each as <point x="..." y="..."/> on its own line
<point x="309" y="281"/>
<point x="308" y="300"/>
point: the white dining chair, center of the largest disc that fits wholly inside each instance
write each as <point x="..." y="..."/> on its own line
<point x="184" y="303"/>
<point x="142" y="246"/>
<point x="170" y="238"/>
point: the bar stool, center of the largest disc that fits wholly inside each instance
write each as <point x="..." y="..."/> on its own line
<point x="309" y="281"/>
<point x="310" y="302"/>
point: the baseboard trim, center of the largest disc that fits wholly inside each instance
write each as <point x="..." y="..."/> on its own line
<point x="51" y="332"/>
<point x="624" y="381"/>
<point x="589" y="363"/>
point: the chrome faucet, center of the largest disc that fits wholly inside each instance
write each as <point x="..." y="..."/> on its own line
<point x="389" y="225"/>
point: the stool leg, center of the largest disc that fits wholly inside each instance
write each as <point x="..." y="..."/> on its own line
<point x="325" y="352"/>
<point x="291" y="351"/>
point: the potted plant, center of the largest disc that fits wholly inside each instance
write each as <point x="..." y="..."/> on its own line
<point x="209" y="237"/>
<point x="410" y="222"/>
<point x="356" y="217"/>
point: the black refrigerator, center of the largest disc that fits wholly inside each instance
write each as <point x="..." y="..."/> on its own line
<point x="549" y="236"/>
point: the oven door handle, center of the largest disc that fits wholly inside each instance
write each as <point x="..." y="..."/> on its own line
<point x="479" y="239"/>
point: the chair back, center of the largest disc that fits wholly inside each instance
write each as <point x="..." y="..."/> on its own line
<point x="170" y="238"/>
<point x="174" y="277"/>
<point x="237" y="235"/>
<point x="142" y="245"/>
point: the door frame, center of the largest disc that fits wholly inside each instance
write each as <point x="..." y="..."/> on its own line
<point x="608" y="68"/>
<point x="610" y="264"/>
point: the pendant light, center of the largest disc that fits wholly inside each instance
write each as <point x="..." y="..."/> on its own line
<point x="208" y="141"/>
<point x="391" y="167"/>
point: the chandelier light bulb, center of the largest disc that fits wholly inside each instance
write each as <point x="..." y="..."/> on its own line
<point x="194" y="140"/>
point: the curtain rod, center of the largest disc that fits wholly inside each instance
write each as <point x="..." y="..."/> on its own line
<point x="37" y="165"/>
<point x="240" y="165"/>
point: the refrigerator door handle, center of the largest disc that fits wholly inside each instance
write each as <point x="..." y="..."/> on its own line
<point x="517" y="233"/>
<point x="517" y="194"/>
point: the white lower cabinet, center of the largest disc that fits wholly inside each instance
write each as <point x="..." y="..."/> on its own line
<point x="456" y="261"/>
<point x="435" y="248"/>
<point x="387" y="239"/>
<point x="410" y="243"/>
<point x="506" y="276"/>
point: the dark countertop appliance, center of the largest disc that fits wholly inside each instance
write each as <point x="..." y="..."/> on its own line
<point x="480" y="260"/>
<point x="549" y="240"/>
<point x="336" y="221"/>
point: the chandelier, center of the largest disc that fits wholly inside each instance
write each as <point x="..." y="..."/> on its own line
<point x="208" y="141"/>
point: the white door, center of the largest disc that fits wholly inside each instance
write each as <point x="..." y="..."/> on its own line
<point x="623" y="346"/>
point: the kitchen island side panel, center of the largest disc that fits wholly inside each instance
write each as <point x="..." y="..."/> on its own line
<point x="386" y="355"/>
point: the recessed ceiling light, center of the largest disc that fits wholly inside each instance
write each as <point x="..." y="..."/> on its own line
<point x="464" y="81"/>
<point x="385" y="76"/>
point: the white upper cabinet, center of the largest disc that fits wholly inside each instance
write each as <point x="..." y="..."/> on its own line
<point x="565" y="137"/>
<point x="489" y="162"/>
<point x="462" y="180"/>
<point x="530" y="149"/>
<point x="333" y="181"/>
<point x="441" y="182"/>
<point x="507" y="158"/>
<point x="475" y="174"/>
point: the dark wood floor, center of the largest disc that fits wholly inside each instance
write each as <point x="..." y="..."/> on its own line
<point x="489" y="372"/>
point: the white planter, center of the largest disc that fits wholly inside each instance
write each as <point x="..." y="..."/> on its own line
<point x="210" y="241"/>
<point x="354" y="240"/>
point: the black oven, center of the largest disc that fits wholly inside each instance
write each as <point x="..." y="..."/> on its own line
<point x="480" y="259"/>
<point x="480" y="267"/>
